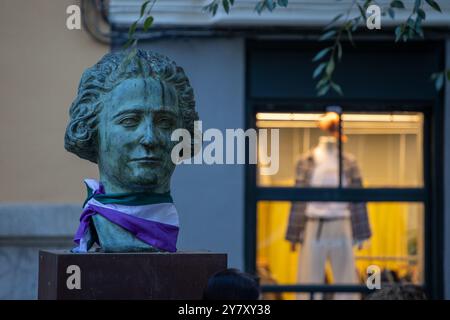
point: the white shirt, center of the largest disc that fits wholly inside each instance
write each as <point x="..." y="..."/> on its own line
<point x="326" y="174"/>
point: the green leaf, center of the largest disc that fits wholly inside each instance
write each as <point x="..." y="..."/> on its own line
<point x="319" y="69"/>
<point x="322" y="82"/>
<point x="270" y="4"/>
<point x="208" y="7"/>
<point x="132" y="29"/>
<point x="398" y="33"/>
<point x="339" y="47"/>
<point x="148" y="23"/>
<point x="397" y="4"/>
<point x="144" y="5"/>
<point x="419" y="31"/>
<point x="327" y="35"/>
<point x="421" y="14"/>
<point x="330" y="67"/>
<point x="226" y="6"/>
<point x="405" y="37"/>
<point x="232" y="2"/>
<point x="434" y="75"/>
<point x="128" y="58"/>
<point x="439" y="82"/>
<point x="130" y="42"/>
<point x="362" y="12"/>
<point x="419" y="20"/>
<point x="330" y="24"/>
<point x="355" y="24"/>
<point x="282" y="3"/>
<point x="417" y="5"/>
<point x="350" y="38"/>
<point x="321" y="54"/>
<point x="337" y="88"/>
<point x="260" y="6"/>
<point x="434" y="5"/>
<point x="391" y="13"/>
<point x="418" y="27"/>
<point x="349" y="24"/>
<point x="323" y="91"/>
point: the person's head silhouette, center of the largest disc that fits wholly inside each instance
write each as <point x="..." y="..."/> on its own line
<point x="232" y="284"/>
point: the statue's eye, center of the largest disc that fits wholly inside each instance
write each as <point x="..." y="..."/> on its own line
<point x="128" y="121"/>
<point x="165" y="122"/>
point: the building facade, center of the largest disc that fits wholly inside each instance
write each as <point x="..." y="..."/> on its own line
<point x="255" y="71"/>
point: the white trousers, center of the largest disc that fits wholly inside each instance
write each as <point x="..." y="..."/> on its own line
<point x="332" y="240"/>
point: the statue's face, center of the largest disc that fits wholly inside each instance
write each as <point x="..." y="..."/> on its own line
<point x="136" y="122"/>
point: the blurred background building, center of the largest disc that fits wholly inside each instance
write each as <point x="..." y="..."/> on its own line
<point x="248" y="71"/>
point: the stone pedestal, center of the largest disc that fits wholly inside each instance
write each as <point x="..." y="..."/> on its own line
<point x="182" y="275"/>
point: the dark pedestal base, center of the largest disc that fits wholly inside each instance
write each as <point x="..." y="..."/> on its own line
<point x="182" y="275"/>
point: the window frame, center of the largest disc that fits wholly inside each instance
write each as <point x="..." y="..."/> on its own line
<point x="430" y="194"/>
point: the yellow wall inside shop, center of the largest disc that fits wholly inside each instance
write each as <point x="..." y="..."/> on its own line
<point x="389" y="223"/>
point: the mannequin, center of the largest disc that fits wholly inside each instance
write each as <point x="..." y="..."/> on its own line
<point x="327" y="143"/>
<point x="327" y="230"/>
<point x="326" y="174"/>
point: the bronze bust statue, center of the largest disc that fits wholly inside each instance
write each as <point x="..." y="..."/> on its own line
<point x="127" y="106"/>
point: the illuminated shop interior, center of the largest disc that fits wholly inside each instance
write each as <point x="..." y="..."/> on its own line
<point x="388" y="148"/>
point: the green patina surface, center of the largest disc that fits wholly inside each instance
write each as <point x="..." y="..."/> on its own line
<point x="122" y="119"/>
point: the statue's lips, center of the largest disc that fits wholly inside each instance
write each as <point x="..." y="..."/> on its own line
<point x="147" y="160"/>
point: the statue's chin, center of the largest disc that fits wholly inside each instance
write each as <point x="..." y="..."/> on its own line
<point x="144" y="183"/>
<point x="146" y="180"/>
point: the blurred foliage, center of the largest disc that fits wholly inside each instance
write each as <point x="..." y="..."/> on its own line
<point x="341" y="27"/>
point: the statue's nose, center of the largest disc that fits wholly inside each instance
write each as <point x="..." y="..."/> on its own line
<point x="148" y="137"/>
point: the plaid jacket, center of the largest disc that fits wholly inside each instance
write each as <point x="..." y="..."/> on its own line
<point x="358" y="211"/>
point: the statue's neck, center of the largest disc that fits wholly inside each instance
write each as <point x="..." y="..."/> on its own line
<point x="111" y="187"/>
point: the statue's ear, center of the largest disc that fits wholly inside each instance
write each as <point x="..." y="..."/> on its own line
<point x="81" y="136"/>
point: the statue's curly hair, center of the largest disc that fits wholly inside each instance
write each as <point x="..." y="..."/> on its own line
<point x="81" y="132"/>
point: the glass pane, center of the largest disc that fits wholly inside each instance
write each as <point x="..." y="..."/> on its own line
<point x="380" y="150"/>
<point x="332" y="249"/>
<point x="299" y="133"/>
<point x="387" y="148"/>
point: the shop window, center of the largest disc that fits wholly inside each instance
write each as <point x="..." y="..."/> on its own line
<point x="337" y="239"/>
<point x="385" y="149"/>
<point x="329" y="253"/>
